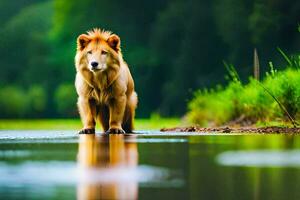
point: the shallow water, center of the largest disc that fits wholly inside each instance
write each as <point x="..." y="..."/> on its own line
<point x="148" y="165"/>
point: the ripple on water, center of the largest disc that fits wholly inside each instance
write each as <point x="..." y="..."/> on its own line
<point x="35" y="134"/>
<point x="66" y="173"/>
<point x="53" y="136"/>
<point x="260" y="158"/>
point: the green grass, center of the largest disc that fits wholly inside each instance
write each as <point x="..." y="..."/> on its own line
<point x="75" y="124"/>
<point x="251" y="102"/>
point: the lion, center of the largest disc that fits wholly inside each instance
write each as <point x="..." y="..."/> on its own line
<point x="104" y="83"/>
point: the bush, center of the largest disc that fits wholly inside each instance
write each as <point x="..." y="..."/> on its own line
<point x="13" y="102"/>
<point x="65" y="100"/>
<point x="37" y="100"/>
<point x="251" y="101"/>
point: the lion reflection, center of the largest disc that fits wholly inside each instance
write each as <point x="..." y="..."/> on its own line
<point x="103" y="162"/>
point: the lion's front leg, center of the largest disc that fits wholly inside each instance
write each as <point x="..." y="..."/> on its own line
<point x="87" y="113"/>
<point x="116" y="113"/>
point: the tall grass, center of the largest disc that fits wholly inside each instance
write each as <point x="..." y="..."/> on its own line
<point x="255" y="102"/>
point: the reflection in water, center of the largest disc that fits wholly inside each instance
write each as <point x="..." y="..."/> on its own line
<point x="103" y="161"/>
<point x="260" y="158"/>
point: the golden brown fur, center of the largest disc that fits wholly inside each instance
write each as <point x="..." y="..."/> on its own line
<point x="103" y="82"/>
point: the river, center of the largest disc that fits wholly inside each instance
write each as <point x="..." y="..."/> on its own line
<point x="148" y="165"/>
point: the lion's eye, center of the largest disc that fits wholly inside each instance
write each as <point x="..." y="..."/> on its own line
<point x="104" y="52"/>
<point x="89" y="52"/>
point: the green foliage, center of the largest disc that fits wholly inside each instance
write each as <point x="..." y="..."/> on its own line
<point x="233" y="75"/>
<point x="250" y="101"/>
<point x="38" y="100"/>
<point x="13" y="102"/>
<point x="293" y="61"/>
<point x="215" y="106"/>
<point x="263" y="18"/>
<point x="16" y="102"/>
<point x="65" y="100"/>
<point x="9" y="8"/>
<point x="172" y="47"/>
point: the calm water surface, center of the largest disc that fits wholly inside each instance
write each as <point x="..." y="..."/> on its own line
<point x="148" y="165"/>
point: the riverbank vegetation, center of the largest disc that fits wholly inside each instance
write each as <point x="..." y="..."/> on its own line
<point x="275" y="100"/>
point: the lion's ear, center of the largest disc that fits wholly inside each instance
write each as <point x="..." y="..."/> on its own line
<point x="114" y="42"/>
<point x="82" y="41"/>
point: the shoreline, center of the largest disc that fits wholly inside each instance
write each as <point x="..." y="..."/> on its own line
<point x="228" y="129"/>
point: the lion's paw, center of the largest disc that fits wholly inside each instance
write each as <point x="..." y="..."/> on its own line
<point x="115" y="131"/>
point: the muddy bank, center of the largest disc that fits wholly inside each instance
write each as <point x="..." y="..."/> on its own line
<point x="262" y="130"/>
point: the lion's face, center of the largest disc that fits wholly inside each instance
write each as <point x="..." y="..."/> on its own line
<point x="97" y="57"/>
<point x="98" y="53"/>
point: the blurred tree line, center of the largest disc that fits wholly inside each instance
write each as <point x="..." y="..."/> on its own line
<point x="172" y="47"/>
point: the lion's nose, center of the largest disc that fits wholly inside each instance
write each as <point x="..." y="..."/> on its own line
<point x="94" y="64"/>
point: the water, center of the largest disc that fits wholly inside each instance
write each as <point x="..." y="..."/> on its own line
<point x="148" y="165"/>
